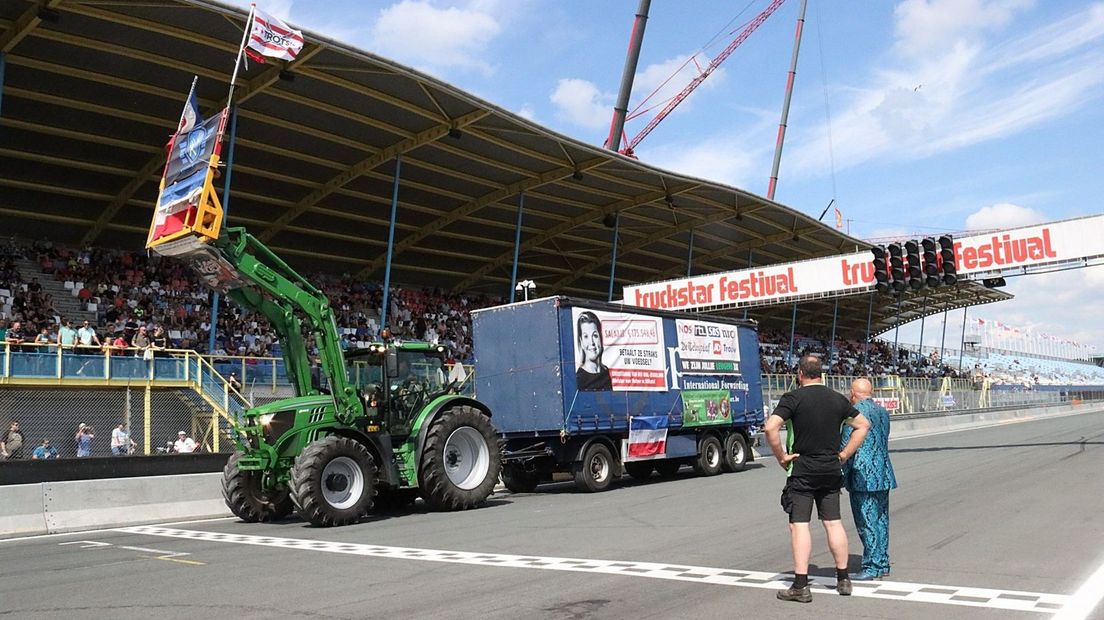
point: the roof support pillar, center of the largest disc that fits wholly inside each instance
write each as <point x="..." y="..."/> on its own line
<point x="517" y="246"/>
<point x="896" y="329"/>
<point x="750" y="250"/>
<point x="793" y="329"/>
<point x="923" y="315"/>
<point x="3" y="61"/>
<point x="962" y="340"/>
<point x="390" y="243"/>
<point x="832" y="342"/>
<point x="690" y="254"/>
<point x="225" y="211"/>
<point x="943" y="340"/>
<point x="866" y="350"/>
<point x="613" y="259"/>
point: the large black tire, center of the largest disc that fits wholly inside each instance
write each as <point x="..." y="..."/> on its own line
<point x="460" y="462"/>
<point x="332" y="481"/>
<point x="640" y="470"/>
<point x="668" y="468"/>
<point x="735" y="453"/>
<point x="517" y="480"/>
<point x="242" y="491"/>
<point x="594" y="473"/>
<point x="710" y="455"/>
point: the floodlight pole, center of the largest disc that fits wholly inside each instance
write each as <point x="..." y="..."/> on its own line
<point x="390" y="242"/>
<point x="517" y="247"/>
<point x="225" y="216"/>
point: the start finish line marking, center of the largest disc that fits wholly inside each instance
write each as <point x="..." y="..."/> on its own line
<point x="890" y="590"/>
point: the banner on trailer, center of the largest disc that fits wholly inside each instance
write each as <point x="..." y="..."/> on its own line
<point x="618" y="351"/>
<point x="706" y="348"/>
<point x="1002" y="251"/>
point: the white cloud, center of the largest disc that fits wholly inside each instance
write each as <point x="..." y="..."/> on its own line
<point x="1003" y="215"/>
<point x="527" y="112"/>
<point x="924" y="26"/>
<point x="436" y="38"/>
<point x="962" y="90"/>
<point x="715" y="160"/>
<point x="581" y="103"/>
<point x="668" y="78"/>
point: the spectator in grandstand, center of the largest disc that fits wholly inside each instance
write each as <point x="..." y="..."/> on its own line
<point x="44" y="451"/>
<point x="814" y="414"/>
<point x="869" y="479"/>
<point x="121" y="443"/>
<point x="15" y="337"/>
<point x="87" y="340"/>
<point x="117" y="346"/>
<point x="184" y="444"/>
<point x="67" y="336"/>
<point x="234" y="382"/>
<point x="83" y="438"/>
<point x="11" y="444"/>
<point x="140" y="340"/>
<point x="3" y="330"/>
<point x="43" y="337"/>
<point x="159" y="342"/>
<point x="591" y="375"/>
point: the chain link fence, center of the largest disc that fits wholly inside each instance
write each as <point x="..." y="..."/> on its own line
<point x="84" y="419"/>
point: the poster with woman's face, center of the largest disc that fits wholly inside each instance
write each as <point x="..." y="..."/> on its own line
<point x="618" y="351"/>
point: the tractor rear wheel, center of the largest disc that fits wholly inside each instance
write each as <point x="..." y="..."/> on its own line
<point x="332" y="481"/>
<point x="242" y="491"/>
<point x="460" y="463"/>
<point x="517" y="480"/>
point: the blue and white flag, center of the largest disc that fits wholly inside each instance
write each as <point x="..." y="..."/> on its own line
<point x="190" y="117"/>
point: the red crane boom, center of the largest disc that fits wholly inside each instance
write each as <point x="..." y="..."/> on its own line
<point x="716" y="62"/>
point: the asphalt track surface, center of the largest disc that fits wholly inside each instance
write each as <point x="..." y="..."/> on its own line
<point x="985" y="522"/>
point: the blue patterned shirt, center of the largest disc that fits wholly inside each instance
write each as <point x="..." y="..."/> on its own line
<point x="869" y="469"/>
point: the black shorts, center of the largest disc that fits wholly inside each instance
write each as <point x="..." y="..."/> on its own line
<point x="799" y="504"/>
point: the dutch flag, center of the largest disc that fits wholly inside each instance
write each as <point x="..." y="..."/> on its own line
<point x="647" y="438"/>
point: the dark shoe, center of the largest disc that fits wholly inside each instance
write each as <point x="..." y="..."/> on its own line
<point x="801" y="595"/>
<point x="843" y="586"/>
<point x="865" y="576"/>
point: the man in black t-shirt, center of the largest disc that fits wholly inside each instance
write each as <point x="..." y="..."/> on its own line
<point x="813" y="415"/>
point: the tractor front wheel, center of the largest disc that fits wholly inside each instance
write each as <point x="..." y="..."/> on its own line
<point x="243" y="494"/>
<point x="332" y="481"/>
<point x="460" y="462"/>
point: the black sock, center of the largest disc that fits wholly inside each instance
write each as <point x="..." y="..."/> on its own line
<point x="800" y="580"/>
<point x="841" y="573"/>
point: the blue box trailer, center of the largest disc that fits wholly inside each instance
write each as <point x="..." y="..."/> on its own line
<point x="598" y="390"/>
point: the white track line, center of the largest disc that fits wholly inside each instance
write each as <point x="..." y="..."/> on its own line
<point x="890" y="590"/>
<point x="1087" y="597"/>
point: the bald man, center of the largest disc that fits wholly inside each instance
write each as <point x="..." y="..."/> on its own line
<point x="869" y="478"/>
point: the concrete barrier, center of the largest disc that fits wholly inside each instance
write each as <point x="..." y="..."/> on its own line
<point x="21" y="510"/>
<point x="56" y="507"/>
<point x="912" y="427"/>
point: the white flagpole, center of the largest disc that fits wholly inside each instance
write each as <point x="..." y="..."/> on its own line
<point x="195" y="78"/>
<point x="241" y="50"/>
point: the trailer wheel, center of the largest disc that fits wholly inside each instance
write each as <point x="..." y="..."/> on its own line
<point x="518" y="480"/>
<point x="595" y="472"/>
<point x="460" y="462"/>
<point x="708" y="462"/>
<point x="668" y="468"/>
<point x="241" y="489"/>
<point x="639" y="470"/>
<point x="332" y="481"/>
<point x="735" y="453"/>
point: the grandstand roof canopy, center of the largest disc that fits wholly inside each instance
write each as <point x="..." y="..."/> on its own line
<point x="93" y="89"/>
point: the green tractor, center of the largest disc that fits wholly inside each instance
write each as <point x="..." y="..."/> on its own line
<point x="386" y="426"/>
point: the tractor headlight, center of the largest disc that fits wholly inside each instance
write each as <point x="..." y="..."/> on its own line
<point x="266" y="419"/>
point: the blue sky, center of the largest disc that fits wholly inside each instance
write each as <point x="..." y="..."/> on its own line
<point x="916" y="116"/>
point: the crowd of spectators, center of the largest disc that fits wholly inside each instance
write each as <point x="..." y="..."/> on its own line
<point x="850" y="358"/>
<point x="133" y="295"/>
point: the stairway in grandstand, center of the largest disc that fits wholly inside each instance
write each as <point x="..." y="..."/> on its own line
<point x="67" y="305"/>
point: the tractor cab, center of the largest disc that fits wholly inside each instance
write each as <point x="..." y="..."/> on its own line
<point x="396" y="381"/>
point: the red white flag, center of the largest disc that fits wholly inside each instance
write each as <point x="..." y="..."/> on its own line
<point x="273" y="38"/>
<point x="647" y="438"/>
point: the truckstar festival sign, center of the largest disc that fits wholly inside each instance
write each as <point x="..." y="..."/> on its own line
<point x="1028" y="246"/>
